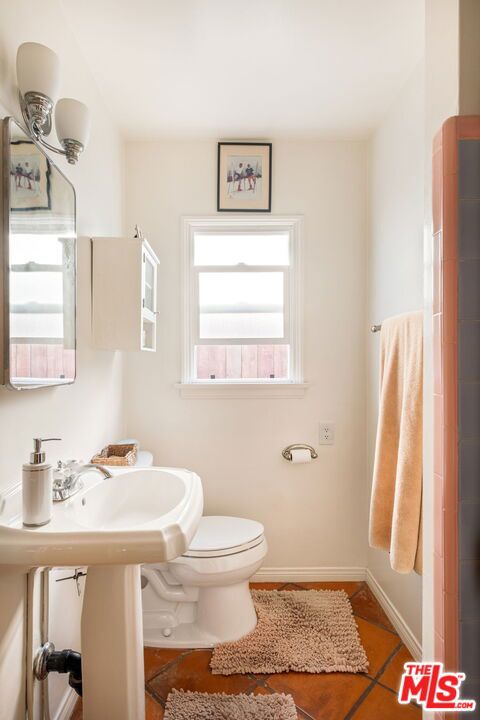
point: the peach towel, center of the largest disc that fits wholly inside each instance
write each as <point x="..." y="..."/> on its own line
<point x="396" y="503"/>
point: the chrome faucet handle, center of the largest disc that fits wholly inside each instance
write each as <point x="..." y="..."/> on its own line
<point x="68" y="480"/>
<point x="64" y="479"/>
<point x="62" y="467"/>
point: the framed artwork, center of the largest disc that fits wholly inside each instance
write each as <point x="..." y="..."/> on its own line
<point x="244" y="182"/>
<point x="29" y="177"/>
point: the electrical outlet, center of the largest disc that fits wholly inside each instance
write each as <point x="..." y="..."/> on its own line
<point x="327" y="433"/>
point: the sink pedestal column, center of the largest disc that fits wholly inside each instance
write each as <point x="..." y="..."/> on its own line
<point x="112" y="644"/>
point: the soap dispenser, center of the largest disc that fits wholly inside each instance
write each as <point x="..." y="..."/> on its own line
<point x="37" y="486"/>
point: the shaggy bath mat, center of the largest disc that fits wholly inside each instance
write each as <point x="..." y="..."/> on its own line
<point x="218" y="706"/>
<point x="302" y="630"/>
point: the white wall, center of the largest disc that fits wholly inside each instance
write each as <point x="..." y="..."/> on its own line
<point x="315" y="515"/>
<point x="395" y="279"/>
<point x="88" y="413"/>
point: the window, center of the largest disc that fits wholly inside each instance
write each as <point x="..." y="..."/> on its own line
<point x="242" y="314"/>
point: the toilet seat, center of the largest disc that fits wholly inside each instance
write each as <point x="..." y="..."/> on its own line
<point x="219" y="536"/>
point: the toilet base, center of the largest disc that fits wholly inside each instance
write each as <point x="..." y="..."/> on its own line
<point x="220" y="614"/>
<point x="186" y="635"/>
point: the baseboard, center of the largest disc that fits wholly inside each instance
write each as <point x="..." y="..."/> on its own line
<point x="309" y="574"/>
<point x="394" y="616"/>
<point x="67" y="705"/>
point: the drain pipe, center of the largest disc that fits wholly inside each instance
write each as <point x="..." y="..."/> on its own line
<point x="49" y="660"/>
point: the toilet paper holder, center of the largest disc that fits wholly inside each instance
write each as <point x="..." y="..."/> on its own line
<point x="287" y="453"/>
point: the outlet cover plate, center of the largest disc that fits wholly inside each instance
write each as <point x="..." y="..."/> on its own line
<point x="326" y="433"/>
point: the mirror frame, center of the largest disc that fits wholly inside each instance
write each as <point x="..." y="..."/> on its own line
<point x="5" y="138"/>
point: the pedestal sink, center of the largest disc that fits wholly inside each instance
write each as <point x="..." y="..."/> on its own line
<point x="112" y="525"/>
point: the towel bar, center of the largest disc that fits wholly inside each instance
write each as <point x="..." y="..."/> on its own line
<point x="375" y="328"/>
<point x="287" y="453"/>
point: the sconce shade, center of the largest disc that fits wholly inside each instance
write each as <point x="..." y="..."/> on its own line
<point x="38" y="70"/>
<point x="72" y="121"/>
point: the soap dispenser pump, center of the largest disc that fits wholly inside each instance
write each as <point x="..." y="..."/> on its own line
<point x="37" y="486"/>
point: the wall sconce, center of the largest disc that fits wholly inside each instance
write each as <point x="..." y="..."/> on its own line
<point x="38" y="77"/>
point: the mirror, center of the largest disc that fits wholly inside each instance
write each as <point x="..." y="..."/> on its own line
<point x="38" y="253"/>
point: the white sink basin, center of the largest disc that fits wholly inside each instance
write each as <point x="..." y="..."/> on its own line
<point x="137" y="516"/>
<point x="128" y="501"/>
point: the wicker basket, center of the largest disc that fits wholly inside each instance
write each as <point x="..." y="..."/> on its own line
<point x="116" y="455"/>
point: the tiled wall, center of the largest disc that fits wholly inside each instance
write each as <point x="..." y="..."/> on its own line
<point x="445" y="393"/>
<point x="469" y="409"/>
<point x="456" y="211"/>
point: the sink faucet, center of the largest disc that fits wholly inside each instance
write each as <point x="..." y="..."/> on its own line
<point x="67" y="478"/>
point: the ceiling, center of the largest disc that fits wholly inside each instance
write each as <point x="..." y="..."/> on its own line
<point x="248" y="68"/>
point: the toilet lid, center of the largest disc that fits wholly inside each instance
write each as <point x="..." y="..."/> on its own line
<point x="217" y="535"/>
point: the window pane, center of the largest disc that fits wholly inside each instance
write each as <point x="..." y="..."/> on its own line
<point x="235" y="248"/>
<point x="241" y="305"/>
<point x="45" y="287"/>
<point x="242" y="362"/>
<point x="41" y="325"/>
<point x="41" y="361"/>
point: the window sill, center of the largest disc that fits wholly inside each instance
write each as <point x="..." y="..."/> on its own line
<point x="243" y="391"/>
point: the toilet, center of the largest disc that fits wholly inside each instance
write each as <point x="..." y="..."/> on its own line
<point x="202" y="598"/>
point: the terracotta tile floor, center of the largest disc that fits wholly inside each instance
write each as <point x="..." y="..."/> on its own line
<point x="335" y="696"/>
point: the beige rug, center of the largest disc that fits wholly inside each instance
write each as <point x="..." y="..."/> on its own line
<point x="302" y="630"/>
<point x="217" y="706"/>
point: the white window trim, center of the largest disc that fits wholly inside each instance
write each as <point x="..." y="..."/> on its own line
<point x="293" y="388"/>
